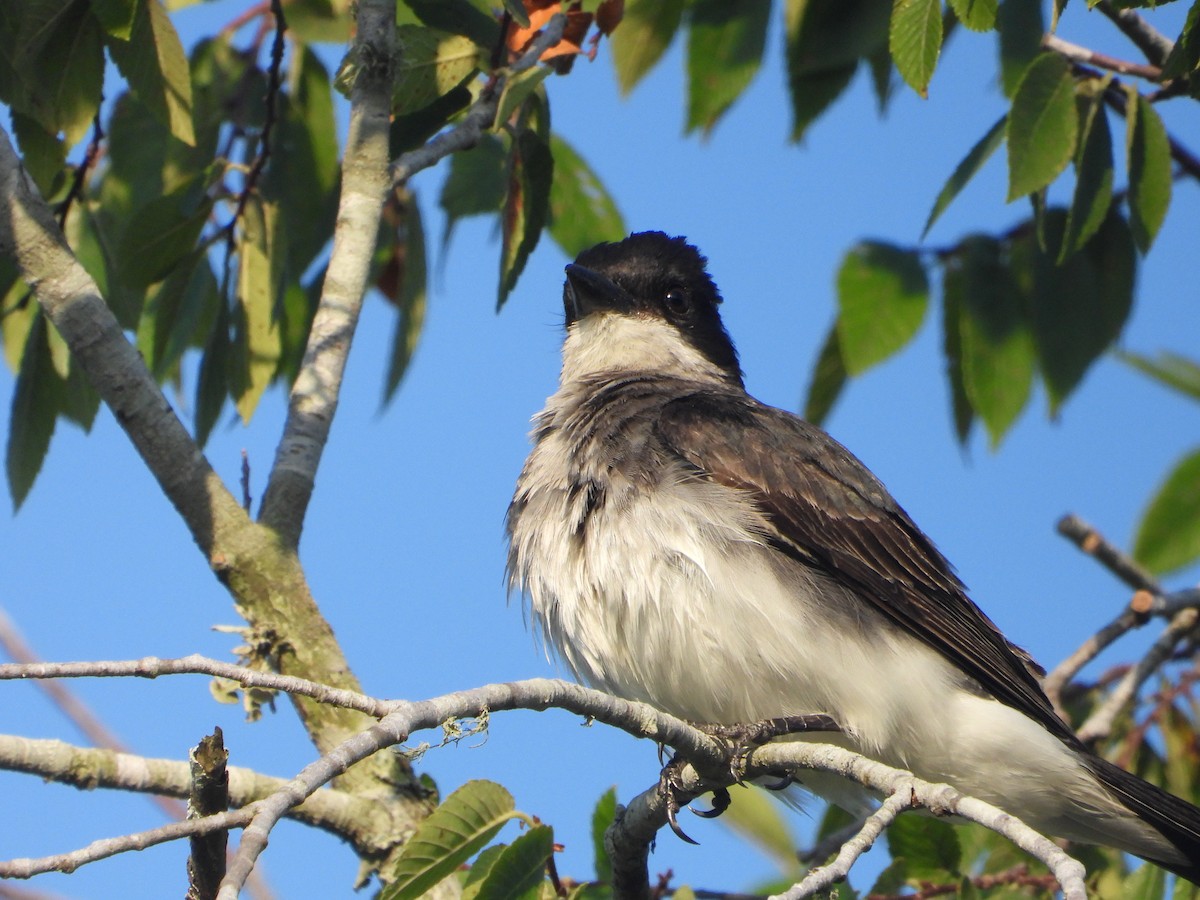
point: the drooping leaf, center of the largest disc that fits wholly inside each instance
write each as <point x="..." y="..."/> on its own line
<point x="410" y="305"/>
<point x="164" y="232"/>
<point x="962" y="413"/>
<point x="212" y="383"/>
<point x="37" y="398"/>
<point x="413" y="129"/>
<point x="1175" y="371"/>
<point x="527" y="200"/>
<point x="828" y="379"/>
<point x="725" y="49"/>
<point x="156" y="67"/>
<point x="1093" y="178"/>
<point x="476" y="183"/>
<point x="1020" y="27"/>
<point x="302" y="174"/>
<point x="58" y="64"/>
<point x="1148" y="153"/>
<point x="882" y="297"/>
<point x="258" y="343"/>
<point x="117" y="16"/>
<point x="582" y="212"/>
<point x="977" y="15"/>
<point x="645" y="32"/>
<point x="826" y="39"/>
<point x="520" y="868"/>
<point x="1168" y="536"/>
<point x="1042" y="126"/>
<point x="43" y="154"/>
<point x="432" y="63"/>
<point x="452" y="834"/>
<point x="997" y="346"/>
<point x="479" y="870"/>
<point x="915" y="39"/>
<point x="517" y="89"/>
<point x="469" y="18"/>
<point x="1184" y="58"/>
<point x="929" y="847"/>
<point x="1080" y="305"/>
<point x="966" y="170"/>
<point x="882" y="80"/>
<point x="177" y="308"/>
<point x="602" y="817"/>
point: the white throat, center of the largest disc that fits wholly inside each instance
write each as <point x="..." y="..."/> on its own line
<point x="623" y="343"/>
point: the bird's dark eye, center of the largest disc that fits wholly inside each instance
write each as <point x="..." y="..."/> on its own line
<point x="677" y="301"/>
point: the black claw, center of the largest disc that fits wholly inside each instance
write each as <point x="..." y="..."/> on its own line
<point x="674" y="823"/>
<point x="720" y="802"/>
<point x="782" y="784"/>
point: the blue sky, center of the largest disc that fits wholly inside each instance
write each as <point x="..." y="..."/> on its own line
<point x="404" y="544"/>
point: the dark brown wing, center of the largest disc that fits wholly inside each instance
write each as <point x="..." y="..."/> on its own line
<point x="831" y="513"/>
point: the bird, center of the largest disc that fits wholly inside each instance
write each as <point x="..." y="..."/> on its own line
<point x="680" y="543"/>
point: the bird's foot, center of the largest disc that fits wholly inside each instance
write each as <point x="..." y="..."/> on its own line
<point x="670" y="788"/>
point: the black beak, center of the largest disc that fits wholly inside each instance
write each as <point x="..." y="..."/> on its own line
<point x="587" y="292"/>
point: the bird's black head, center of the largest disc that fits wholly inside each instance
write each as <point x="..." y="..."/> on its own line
<point x="655" y="276"/>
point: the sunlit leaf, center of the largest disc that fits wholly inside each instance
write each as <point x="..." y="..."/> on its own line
<point x="1175" y="371"/>
<point x="520" y="868"/>
<point x="1168" y="536"/>
<point x="602" y="817"/>
<point x="256" y="323"/>
<point x="977" y="15"/>
<point x="582" y="212"/>
<point x="928" y="847"/>
<point x="156" y="67"/>
<point x="1148" y="152"/>
<point x="828" y="379"/>
<point x="455" y="831"/>
<point x="725" y="49"/>
<point x="432" y="63"/>
<point x="1042" y="126"/>
<point x="645" y="32"/>
<point x="882" y="297"/>
<point x="965" y="170"/>
<point x="1093" y="179"/>
<point x="915" y="39"/>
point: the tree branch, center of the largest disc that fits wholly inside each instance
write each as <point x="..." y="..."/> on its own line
<point x="1154" y="45"/>
<point x="314" y="396"/>
<point x="482" y="114"/>
<point x="1079" y="54"/>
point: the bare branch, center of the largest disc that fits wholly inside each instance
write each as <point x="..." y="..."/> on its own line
<point x="1079" y="54"/>
<point x="1154" y="44"/>
<point x="365" y="182"/>
<point x="481" y="115"/>
<point x="208" y="795"/>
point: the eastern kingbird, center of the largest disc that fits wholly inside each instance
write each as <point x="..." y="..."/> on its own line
<point x="682" y="544"/>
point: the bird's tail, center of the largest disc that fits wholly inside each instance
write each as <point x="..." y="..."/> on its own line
<point x="1176" y="820"/>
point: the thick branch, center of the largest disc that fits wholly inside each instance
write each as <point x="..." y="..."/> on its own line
<point x="365" y="182"/>
<point x="482" y="114"/>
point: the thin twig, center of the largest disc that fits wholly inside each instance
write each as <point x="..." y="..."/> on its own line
<point x="1154" y="44"/>
<point x="1076" y="53"/>
<point x="80" y="180"/>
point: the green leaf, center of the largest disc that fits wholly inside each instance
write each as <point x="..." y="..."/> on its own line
<point x="582" y="212"/>
<point x="881" y="78"/>
<point x="725" y="49"/>
<point x="212" y="384"/>
<point x="1175" y="371"/>
<point x="527" y="201"/>
<point x="59" y="64"/>
<point x="117" y="16"/>
<point x="962" y="412"/>
<point x="1020" y="27"/>
<point x="602" y="817"/>
<point x="521" y="868"/>
<point x="966" y="170"/>
<point x="413" y="129"/>
<point x="1148" y="152"/>
<point x="17" y="311"/>
<point x="1168" y="537"/>
<point x="479" y="870"/>
<point x="997" y="347"/>
<point x="432" y="63"/>
<point x="1184" y="58"/>
<point x="43" y="154"/>
<point x="37" y="398"/>
<point x="829" y="377"/>
<point x="1042" y="126"/>
<point x="516" y="90"/>
<point x="256" y="323"/>
<point x="1147" y="883"/>
<point x="645" y="33"/>
<point x="302" y="174"/>
<point x="1080" y="306"/>
<point x="882" y="297"/>
<point x="452" y="834"/>
<point x="759" y="819"/>
<point x="154" y="64"/>
<point x="915" y="39"/>
<point x="1093" y="179"/>
<point x="977" y="15"/>
<point x="321" y="21"/>
<point x="163" y="232"/>
<point x="410" y="306"/>
<point x="929" y="847"/>
<point x="469" y="18"/>
<point x="178" y="307"/>
<point x="476" y="183"/>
